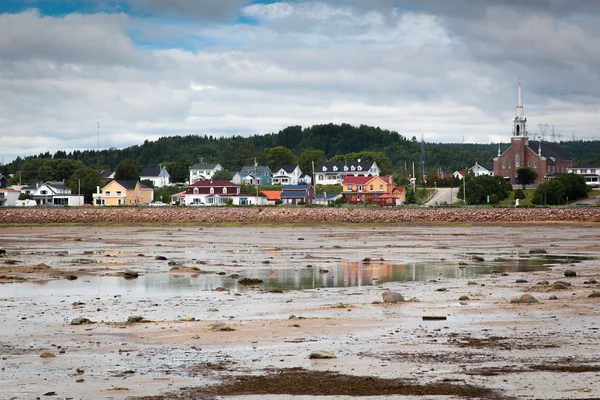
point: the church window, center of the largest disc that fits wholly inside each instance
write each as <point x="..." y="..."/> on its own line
<point x="503" y="165"/>
<point x="509" y="165"/>
<point x="529" y="163"/>
<point x="518" y="130"/>
<point x="517" y="160"/>
<point x="535" y="164"/>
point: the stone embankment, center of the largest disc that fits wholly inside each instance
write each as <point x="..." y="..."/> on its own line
<point x="293" y="215"/>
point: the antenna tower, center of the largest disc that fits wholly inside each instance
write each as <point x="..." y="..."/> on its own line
<point x="553" y="135"/>
<point x="543" y="129"/>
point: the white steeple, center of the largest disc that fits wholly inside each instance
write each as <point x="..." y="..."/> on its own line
<point x="520" y="121"/>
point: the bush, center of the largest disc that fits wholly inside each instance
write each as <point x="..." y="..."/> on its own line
<point x="494" y="199"/>
<point x="278" y="202"/>
<point x="519" y="194"/>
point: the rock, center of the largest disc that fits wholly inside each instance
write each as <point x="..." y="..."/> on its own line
<point x="392" y="297"/>
<point x="477" y="259"/>
<point x="47" y="354"/>
<point x="323" y="271"/>
<point x="537" y="251"/>
<point x="543" y="283"/>
<point x="130" y="274"/>
<point x="78" y="304"/>
<point x="2" y="252"/>
<point x="220" y="289"/>
<point x="560" y="286"/>
<point x="462" y="263"/>
<point x="525" y="299"/>
<point x="553" y="297"/>
<point x="250" y="281"/>
<point x="292" y="316"/>
<point x="321" y="354"/>
<point x="189" y="319"/>
<point x="135" y="318"/>
<point x="172" y="262"/>
<point x="470" y="283"/>
<point x="52" y="393"/>
<point x="234" y="276"/>
<point x="570" y="273"/>
<point x="564" y="283"/>
<point x="175" y="268"/>
<point x="590" y="282"/>
<point x="521" y="281"/>
<point x="594" y="295"/>
<point x="221" y="273"/>
<point x="434" y="317"/>
<point x="71" y="277"/>
<point x="81" y="321"/>
<point x="212" y="310"/>
<point x="463" y="298"/>
<point x="443" y="289"/>
<point x="161" y="258"/>
<point x="366" y="260"/>
<point x="221" y="327"/>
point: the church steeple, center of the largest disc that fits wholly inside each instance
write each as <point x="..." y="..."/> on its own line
<point x="520" y="121"/>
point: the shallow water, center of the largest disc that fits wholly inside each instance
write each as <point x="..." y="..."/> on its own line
<point x="343" y="274"/>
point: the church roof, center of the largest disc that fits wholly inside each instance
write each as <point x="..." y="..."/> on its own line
<point x="550" y="150"/>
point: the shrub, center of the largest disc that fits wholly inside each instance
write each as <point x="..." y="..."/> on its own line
<point x="519" y="194"/>
<point x="494" y="199"/>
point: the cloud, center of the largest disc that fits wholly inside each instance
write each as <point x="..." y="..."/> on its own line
<point x="444" y="69"/>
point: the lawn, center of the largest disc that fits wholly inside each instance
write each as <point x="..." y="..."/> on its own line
<point x="509" y="201"/>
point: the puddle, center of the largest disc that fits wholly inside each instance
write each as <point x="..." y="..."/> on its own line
<point x="344" y="274"/>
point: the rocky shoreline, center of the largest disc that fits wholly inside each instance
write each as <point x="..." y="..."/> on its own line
<point x="294" y="215"/>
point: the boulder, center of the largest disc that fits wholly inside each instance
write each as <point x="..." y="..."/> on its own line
<point x="521" y="281"/>
<point x="463" y="298"/>
<point x="570" y="273"/>
<point x="47" y="354"/>
<point x="594" y="295"/>
<point x="321" y="354"/>
<point x="543" y="283"/>
<point x="81" y="321"/>
<point x="477" y="259"/>
<point x="135" y="318"/>
<point x="538" y="251"/>
<point x="525" y="299"/>
<point x="221" y="327"/>
<point x="160" y="258"/>
<point x="392" y="297"/>
<point x="590" y="282"/>
<point x="130" y="274"/>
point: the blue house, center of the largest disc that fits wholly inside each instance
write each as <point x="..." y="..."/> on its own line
<point x="253" y="175"/>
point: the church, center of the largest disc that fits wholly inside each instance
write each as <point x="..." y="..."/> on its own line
<point x="548" y="159"/>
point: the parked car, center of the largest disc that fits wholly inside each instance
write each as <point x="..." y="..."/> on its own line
<point x="158" y="204"/>
<point x="583" y="204"/>
<point x="25" y="203"/>
<point x="196" y="204"/>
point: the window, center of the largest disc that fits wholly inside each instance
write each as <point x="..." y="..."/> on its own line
<point x="352" y="168"/>
<point x="371" y="187"/>
<point x="529" y="163"/>
<point x="345" y="168"/>
<point x="324" y="168"/>
<point x="335" y="168"/>
<point x="509" y="165"/>
<point x="349" y="187"/>
<point x="43" y="192"/>
<point x="212" y="190"/>
<point x="503" y="165"/>
<point x="196" y="190"/>
<point x="534" y="164"/>
<point x="593" y="170"/>
<point x="224" y="190"/>
<point x="380" y="187"/>
<point x="320" y="177"/>
<point x="517" y="160"/>
<point x="360" y="188"/>
<point x="119" y="193"/>
<point x="107" y="193"/>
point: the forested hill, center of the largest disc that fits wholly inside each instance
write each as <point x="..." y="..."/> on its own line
<point x="333" y="140"/>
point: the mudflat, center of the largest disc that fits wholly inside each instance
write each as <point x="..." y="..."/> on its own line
<point x="202" y="310"/>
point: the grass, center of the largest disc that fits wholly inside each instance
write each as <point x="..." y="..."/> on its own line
<point x="523" y="202"/>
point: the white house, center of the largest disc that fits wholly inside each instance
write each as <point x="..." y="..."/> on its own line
<point x="159" y="176"/>
<point x="591" y="174"/>
<point x="56" y="193"/>
<point x="286" y="175"/>
<point x="333" y="173"/>
<point x="201" y="172"/>
<point x="482" y="169"/>
<point x="9" y="197"/>
<point x="217" y="193"/>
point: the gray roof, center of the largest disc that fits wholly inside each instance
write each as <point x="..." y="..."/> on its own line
<point x="150" y="171"/>
<point x="295" y="188"/>
<point x="287" y="168"/>
<point x="204" y="166"/>
<point x="260" y="170"/>
<point x="106" y="173"/>
<point x="130" y="184"/>
<point x="550" y="149"/>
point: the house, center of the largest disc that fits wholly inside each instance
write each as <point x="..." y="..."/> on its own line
<point x="590" y="172"/>
<point x="200" y="172"/>
<point x="108" y="175"/>
<point x="295" y="194"/>
<point x="357" y="189"/>
<point x="305" y="180"/>
<point x="159" y="176"/>
<point x="123" y="193"/>
<point x="326" y="198"/>
<point x="546" y="158"/>
<point x="333" y="173"/>
<point x="211" y="193"/>
<point x="3" y="182"/>
<point x="482" y="169"/>
<point x="9" y="197"/>
<point x="460" y="174"/>
<point x="178" y="199"/>
<point x="396" y="198"/>
<point x="253" y="175"/>
<point x="287" y="175"/>
<point x="55" y="193"/>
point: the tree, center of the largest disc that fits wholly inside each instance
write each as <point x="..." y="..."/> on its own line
<point x="526" y="176"/>
<point x="278" y="156"/>
<point x="307" y="157"/>
<point x="89" y="179"/>
<point x="222" y="175"/>
<point x="519" y="194"/>
<point x="575" y="186"/>
<point x="128" y="170"/>
<point x="549" y="193"/>
<point x="179" y="170"/>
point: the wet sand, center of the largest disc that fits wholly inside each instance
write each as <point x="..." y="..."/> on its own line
<point x="518" y="350"/>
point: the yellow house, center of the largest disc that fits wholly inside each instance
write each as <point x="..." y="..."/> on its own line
<point x="123" y="193"/>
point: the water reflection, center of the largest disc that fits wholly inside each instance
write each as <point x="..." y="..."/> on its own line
<point x="343" y="274"/>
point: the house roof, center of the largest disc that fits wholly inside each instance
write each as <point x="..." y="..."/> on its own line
<point x="550" y="150"/>
<point x="208" y="183"/>
<point x="205" y="166"/>
<point x="130" y="184"/>
<point x="287" y="168"/>
<point x="295" y="188"/>
<point x="151" y="171"/>
<point x="398" y="189"/>
<point x="296" y="194"/>
<point x="260" y="170"/>
<point x="180" y="194"/>
<point x="272" y="195"/>
<point x="385" y="179"/>
<point x="588" y="166"/>
<point x="107" y="173"/>
<point x="356" y="180"/>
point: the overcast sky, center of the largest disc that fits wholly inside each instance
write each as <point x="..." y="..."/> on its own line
<point x="447" y="69"/>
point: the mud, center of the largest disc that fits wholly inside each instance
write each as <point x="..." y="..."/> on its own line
<point x="486" y="344"/>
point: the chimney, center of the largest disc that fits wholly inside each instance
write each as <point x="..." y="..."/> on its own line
<point x="97" y="189"/>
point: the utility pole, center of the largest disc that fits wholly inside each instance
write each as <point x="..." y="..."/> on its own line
<point x="313" y="174"/>
<point x="256" y="180"/>
<point x="414" y="180"/>
<point x="465" y="186"/>
<point x="79" y="191"/>
<point x="98" y="123"/>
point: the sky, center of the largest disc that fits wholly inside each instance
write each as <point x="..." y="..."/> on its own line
<point x="444" y="69"/>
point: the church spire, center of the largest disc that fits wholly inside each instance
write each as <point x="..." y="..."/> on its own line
<point x="520" y="112"/>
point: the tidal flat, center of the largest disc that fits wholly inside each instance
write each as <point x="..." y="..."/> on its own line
<point x="216" y="311"/>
